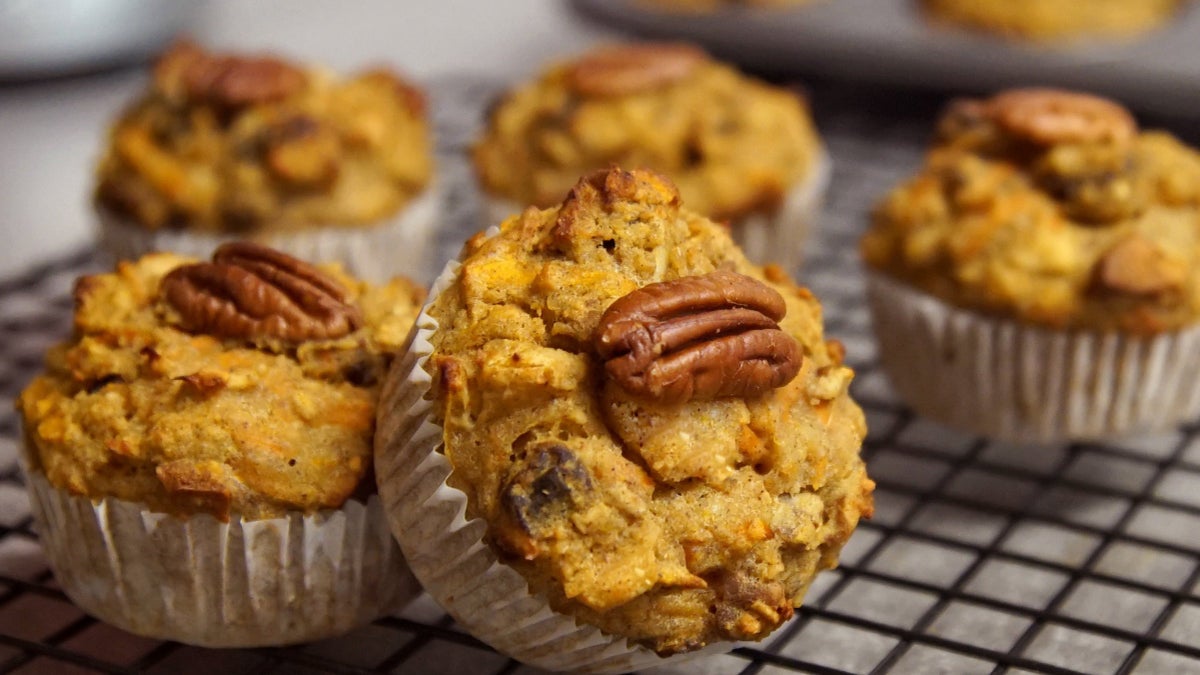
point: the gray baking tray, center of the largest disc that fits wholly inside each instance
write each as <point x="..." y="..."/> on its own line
<point x="891" y="41"/>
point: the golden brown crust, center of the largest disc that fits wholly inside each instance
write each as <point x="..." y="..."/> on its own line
<point x="134" y="408"/>
<point x="732" y="144"/>
<point x="237" y="143"/>
<point x="1049" y="207"/>
<point x="674" y="524"/>
<point x="1054" y="20"/>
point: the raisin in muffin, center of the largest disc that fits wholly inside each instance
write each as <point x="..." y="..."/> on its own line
<point x="740" y="151"/>
<point x="1055" y="20"/>
<point x="199" y="452"/>
<point x="234" y="146"/>
<point x="652" y="441"/>
<point x="1040" y="276"/>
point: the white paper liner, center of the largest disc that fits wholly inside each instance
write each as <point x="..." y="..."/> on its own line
<point x="204" y="582"/>
<point x="1010" y="381"/>
<point x="401" y="245"/>
<point x="446" y="551"/>
<point x="780" y="237"/>
<point x="777" y="237"/>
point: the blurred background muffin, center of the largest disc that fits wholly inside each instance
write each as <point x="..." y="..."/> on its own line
<point x="1054" y="20"/>
<point x="1040" y="277"/>
<point x="226" y="146"/>
<point x="199" y="452"/>
<point x="741" y="151"/>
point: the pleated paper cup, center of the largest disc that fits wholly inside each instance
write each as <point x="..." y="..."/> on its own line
<point x="1010" y="381"/>
<point x="403" y="244"/>
<point x="210" y="583"/>
<point x="445" y="548"/>
<point x="779" y="237"/>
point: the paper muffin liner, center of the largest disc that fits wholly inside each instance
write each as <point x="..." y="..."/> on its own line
<point x="1010" y="381"/>
<point x="215" y="584"/>
<point x="403" y="244"/>
<point x="778" y="237"/>
<point x="446" y="549"/>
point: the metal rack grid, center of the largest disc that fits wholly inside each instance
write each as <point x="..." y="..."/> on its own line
<point x="982" y="557"/>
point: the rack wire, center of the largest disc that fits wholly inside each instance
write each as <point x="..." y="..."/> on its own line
<point x="982" y="557"/>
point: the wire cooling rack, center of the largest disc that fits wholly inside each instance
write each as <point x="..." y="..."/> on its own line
<point x="982" y="557"/>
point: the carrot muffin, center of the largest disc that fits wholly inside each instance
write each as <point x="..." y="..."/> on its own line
<point x="649" y="435"/>
<point x="206" y="409"/>
<point x="741" y="151"/>
<point x="231" y="146"/>
<point x="1044" y="232"/>
<point x="1051" y="20"/>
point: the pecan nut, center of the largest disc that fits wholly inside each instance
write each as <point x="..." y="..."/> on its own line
<point x="1136" y="266"/>
<point x="251" y="291"/>
<point x="699" y="337"/>
<point x="630" y="69"/>
<point x="227" y="81"/>
<point x="1052" y="116"/>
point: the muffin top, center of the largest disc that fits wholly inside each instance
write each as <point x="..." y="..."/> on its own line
<point x="236" y="143"/>
<point x="733" y="145"/>
<point x="1049" y="20"/>
<point x="244" y="387"/>
<point x="655" y="430"/>
<point x="1049" y="207"/>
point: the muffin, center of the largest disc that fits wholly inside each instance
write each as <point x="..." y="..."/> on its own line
<point x="1054" y="20"/>
<point x="199" y="453"/>
<point x="227" y="146"/>
<point x="1039" y="278"/>
<point x="740" y="151"/>
<point x="539" y="447"/>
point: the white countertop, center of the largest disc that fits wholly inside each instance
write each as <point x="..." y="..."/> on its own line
<point x="50" y="131"/>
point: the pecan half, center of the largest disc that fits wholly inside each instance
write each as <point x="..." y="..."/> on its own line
<point x="699" y="337"/>
<point x="1136" y="266"/>
<point x="629" y="69"/>
<point x="228" y="81"/>
<point x="252" y="291"/>
<point x="1051" y="116"/>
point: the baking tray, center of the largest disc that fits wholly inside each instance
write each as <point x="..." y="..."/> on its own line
<point x="891" y="41"/>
